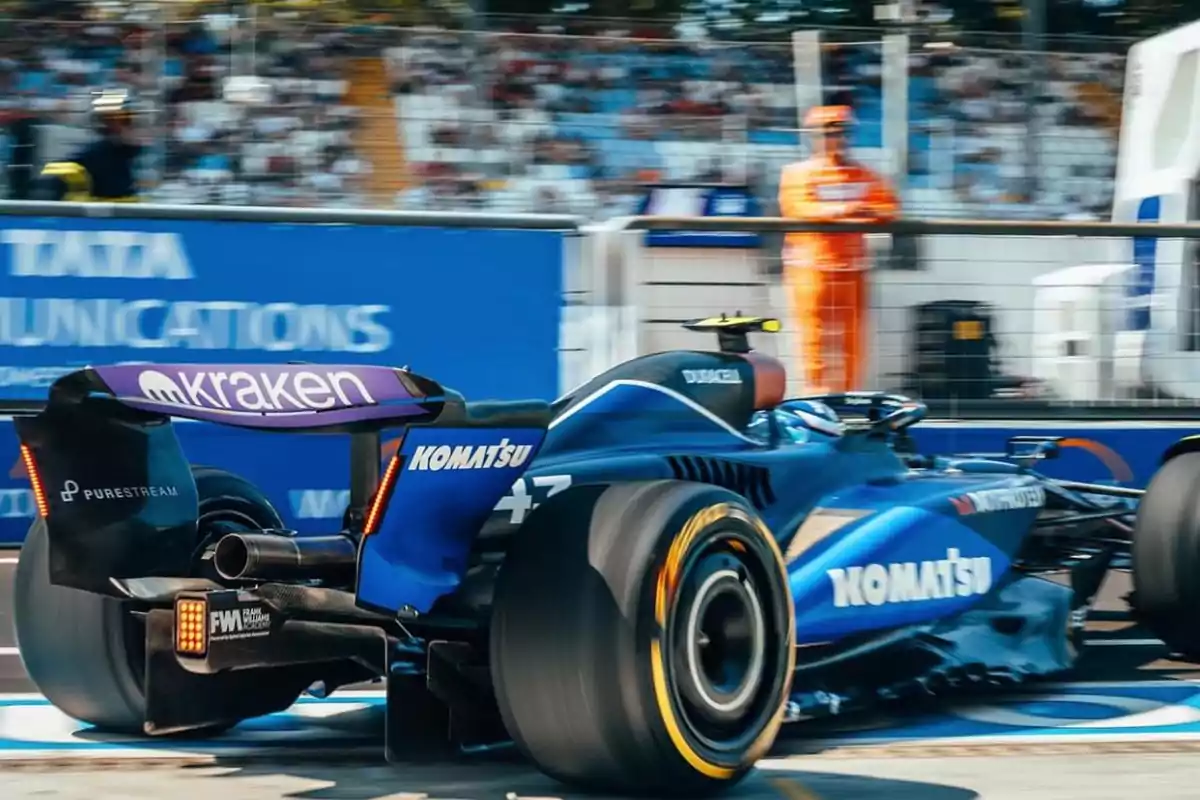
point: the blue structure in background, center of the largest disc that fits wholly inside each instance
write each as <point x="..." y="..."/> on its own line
<point x="75" y="292"/>
<point x="699" y="200"/>
<point x="1140" y="290"/>
<point x="477" y="310"/>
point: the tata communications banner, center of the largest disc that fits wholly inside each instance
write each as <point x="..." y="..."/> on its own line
<point x="477" y="310"/>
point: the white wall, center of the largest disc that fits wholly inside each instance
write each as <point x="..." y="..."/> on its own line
<point x="677" y="284"/>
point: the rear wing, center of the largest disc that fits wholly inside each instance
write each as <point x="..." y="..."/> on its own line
<point x="118" y="494"/>
<point x="288" y="397"/>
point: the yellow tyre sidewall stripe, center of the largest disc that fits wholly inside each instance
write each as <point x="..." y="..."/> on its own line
<point x="666" y="587"/>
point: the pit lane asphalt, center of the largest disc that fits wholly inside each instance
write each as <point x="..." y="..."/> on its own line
<point x="1121" y="651"/>
<point x="1096" y="777"/>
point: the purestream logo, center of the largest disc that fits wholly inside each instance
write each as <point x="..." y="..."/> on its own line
<point x="992" y="500"/>
<point x="496" y="456"/>
<point x="71" y="489"/>
<point x="244" y="391"/>
<point x="911" y="581"/>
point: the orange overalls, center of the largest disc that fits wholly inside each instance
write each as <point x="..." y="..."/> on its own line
<point x="825" y="273"/>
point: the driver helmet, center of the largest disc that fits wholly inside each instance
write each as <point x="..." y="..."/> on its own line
<point x="808" y="420"/>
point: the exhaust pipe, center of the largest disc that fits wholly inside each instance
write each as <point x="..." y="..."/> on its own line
<point x="269" y="556"/>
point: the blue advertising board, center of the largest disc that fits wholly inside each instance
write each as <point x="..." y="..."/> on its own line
<point x="688" y="200"/>
<point x="1140" y="291"/>
<point x="477" y="310"/>
<point x="306" y="477"/>
<point x="1125" y="453"/>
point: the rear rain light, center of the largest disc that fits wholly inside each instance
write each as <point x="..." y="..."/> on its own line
<point x="191" y="629"/>
<point x="382" y="495"/>
<point x="35" y="480"/>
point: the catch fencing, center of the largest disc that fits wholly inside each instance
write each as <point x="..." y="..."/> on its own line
<point x="980" y="318"/>
<point x="1079" y="315"/>
<point x="1063" y="322"/>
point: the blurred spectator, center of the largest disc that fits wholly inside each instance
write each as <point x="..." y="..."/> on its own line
<point x="571" y="118"/>
<point x="558" y="122"/>
<point x="106" y="169"/>
<point x="291" y="142"/>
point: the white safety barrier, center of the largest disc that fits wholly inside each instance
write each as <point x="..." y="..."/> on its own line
<point x="643" y="294"/>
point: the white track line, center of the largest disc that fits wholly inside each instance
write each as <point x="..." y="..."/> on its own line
<point x="10" y="651"/>
<point x="8" y="560"/>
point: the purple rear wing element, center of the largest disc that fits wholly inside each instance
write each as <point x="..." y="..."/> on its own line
<point x="268" y="395"/>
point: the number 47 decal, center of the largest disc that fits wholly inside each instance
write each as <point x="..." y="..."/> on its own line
<point x="525" y="493"/>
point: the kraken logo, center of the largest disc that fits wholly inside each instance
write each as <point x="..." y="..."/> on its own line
<point x="157" y="386"/>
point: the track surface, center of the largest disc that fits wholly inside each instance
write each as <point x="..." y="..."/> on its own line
<point x="1129" y="723"/>
<point x="1162" y="777"/>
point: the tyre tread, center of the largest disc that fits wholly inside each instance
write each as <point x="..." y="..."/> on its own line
<point x="1166" y="555"/>
<point x="569" y="682"/>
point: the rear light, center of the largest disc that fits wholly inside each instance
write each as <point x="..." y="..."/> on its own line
<point x="191" y="627"/>
<point x="382" y="496"/>
<point x="35" y="480"/>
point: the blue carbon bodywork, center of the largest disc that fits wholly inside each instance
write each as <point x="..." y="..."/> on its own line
<point x="904" y="553"/>
<point x="898" y="566"/>
<point x="917" y="563"/>
<point x="447" y="483"/>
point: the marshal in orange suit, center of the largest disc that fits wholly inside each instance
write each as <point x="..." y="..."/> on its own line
<point x="825" y="273"/>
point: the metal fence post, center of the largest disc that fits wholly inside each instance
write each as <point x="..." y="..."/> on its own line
<point x="806" y="67"/>
<point x="895" y="106"/>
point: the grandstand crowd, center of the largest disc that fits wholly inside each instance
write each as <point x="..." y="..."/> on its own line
<point x="427" y="118"/>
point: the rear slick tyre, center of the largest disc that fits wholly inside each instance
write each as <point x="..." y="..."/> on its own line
<point x="86" y="652"/>
<point x="1166" y="556"/>
<point x="75" y="645"/>
<point x="642" y="638"/>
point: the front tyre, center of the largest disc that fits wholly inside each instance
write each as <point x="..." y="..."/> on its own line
<point x="1166" y="555"/>
<point x="642" y="638"/>
<point x="86" y="652"/>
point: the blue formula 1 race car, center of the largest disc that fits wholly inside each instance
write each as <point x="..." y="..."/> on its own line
<point x="638" y="584"/>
